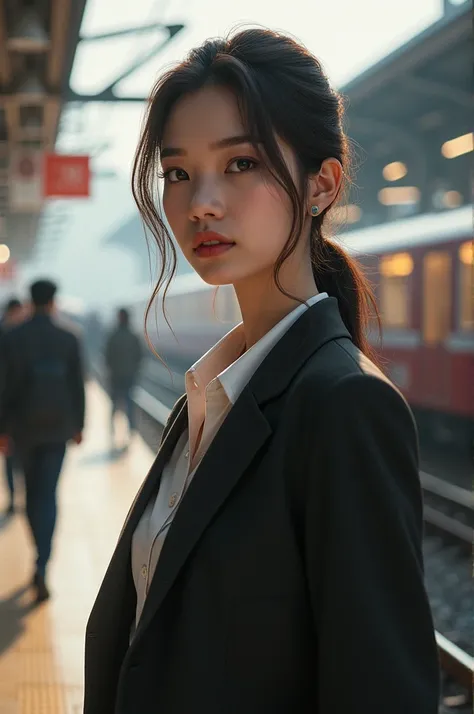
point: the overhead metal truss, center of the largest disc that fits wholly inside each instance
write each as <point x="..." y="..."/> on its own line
<point x="38" y="41"/>
<point x="107" y="94"/>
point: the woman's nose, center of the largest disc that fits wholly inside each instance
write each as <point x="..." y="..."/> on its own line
<point x="207" y="201"/>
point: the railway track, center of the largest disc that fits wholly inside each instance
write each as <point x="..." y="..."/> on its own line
<point x="448" y="508"/>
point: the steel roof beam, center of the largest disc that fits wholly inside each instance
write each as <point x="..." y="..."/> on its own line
<point x="107" y="94"/>
<point x="445" y="33"/>
<point x="144" y="58"/>
<point x="172" y="29"/>
<point x="103" y="96"/>
<point x="60" y="19"/>
<point x="438" y="89"/>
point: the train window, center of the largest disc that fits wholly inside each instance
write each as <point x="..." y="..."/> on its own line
<point x="466" y="286"/>
<point x="394" y="289"/>
<point x="436" y="297"/>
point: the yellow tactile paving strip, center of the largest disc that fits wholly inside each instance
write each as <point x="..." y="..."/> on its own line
<point x="41" y="648"/>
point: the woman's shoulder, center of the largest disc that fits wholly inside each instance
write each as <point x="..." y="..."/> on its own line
<point x="341" y="374"/>
<point x="342" y="400"/>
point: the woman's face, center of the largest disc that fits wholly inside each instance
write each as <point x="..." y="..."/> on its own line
<point x="217" y="191"/>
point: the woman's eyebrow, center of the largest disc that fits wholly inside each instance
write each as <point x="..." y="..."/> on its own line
<point x="221" y="144"/>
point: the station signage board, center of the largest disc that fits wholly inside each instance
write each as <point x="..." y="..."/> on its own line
<point x="35" y="176"/>
<point x="66" y="176"/>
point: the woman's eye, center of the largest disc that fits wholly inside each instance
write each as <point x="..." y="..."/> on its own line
<point x="175" y="175"/>
<point x="240" y="165"/>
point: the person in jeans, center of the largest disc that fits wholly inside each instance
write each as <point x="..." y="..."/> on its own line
<point x="14" y="315"/>
<point x="42" y="404"/>
<point x="123" y="354"/>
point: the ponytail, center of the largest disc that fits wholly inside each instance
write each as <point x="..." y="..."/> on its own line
<point x="336" y="273"/>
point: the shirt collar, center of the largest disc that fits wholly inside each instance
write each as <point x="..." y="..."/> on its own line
<point x="233" y="369"/>
<point x="217" y="359"/>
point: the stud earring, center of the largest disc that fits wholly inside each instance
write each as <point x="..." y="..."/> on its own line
<point x="314" y="210"/>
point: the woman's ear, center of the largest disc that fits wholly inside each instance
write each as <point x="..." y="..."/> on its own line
<point x="324" y="186"/>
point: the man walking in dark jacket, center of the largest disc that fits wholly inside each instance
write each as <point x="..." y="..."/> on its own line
<point x="123" y="354"/>
<point x="42" y="406"/>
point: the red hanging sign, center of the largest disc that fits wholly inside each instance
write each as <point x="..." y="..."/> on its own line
<point x="66" y="176"/>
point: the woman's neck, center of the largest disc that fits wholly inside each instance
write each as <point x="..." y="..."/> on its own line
<point x="262" y="305"/>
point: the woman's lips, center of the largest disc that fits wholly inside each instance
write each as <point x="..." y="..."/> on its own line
<point x="211" y="251"/>
<point x="208" y="244"/>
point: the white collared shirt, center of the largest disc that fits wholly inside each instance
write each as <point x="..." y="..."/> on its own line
<point x="213" y="385"/>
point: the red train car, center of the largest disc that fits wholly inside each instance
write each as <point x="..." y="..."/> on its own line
<point x="422" y="272"/>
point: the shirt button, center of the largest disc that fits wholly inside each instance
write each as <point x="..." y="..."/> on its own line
<point x="173" y="499"/>
<point x="144" y="571"/>
<point x="186" y="456"/>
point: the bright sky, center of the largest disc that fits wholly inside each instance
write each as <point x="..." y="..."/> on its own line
<point x="346" y="35"/>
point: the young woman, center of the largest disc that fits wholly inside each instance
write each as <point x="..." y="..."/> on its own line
<point x="271" y="562"/>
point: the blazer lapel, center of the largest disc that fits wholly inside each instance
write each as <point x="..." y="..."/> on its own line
<point x="213" y="482"/>
<point x="115" y="579"/>
<point x="151" y="483"/>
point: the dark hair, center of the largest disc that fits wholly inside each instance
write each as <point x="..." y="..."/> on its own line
<point x="12" y="304"/>
<point x="42" y="292"/>
<point x="282" y="91"/>
<point x="123" y="316"/>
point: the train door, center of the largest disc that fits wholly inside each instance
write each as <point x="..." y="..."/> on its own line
<point x="437" y="318"/>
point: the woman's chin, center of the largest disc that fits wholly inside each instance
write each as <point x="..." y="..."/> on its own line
<point x="216" y="276"/>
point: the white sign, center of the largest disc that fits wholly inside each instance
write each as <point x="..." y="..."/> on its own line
<point x="26" y="181"/>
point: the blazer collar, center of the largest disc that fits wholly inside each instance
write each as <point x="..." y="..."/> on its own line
<point x="321" y="323"/>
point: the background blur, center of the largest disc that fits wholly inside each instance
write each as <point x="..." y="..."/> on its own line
<point x="54" y="77"/>
<point x="74" y="78"/>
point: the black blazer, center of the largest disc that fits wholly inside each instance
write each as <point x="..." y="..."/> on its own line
<point x="291" y="580"/>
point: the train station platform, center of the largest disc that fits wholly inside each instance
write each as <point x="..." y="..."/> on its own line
<point x="42" y="647"/>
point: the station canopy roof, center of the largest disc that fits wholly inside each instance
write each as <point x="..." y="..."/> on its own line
<point x="38" y="40"/>
<point x="401" y="113"/>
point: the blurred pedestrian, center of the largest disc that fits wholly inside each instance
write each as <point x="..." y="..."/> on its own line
<point x="123" y="355"/>
<point x="14" y="314"/>
<point x="41" y="409"/>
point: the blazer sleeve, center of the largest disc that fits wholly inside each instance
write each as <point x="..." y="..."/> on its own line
<point x="363" y="540"/>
